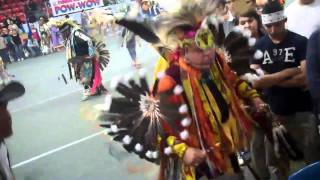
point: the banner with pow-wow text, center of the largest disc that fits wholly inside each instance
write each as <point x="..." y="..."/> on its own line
<point x="61" y="7"/>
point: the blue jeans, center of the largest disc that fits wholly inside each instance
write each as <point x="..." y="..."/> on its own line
<point x="131" y="46"/>
<point x="4" y="55"/>
<point x="34" y="51"/>
<point x="18" y="52"/>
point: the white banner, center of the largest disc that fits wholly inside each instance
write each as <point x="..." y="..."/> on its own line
<point x="61" y="7"/>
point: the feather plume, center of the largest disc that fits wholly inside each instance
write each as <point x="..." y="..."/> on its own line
<point x="136" y="118"/>
<point x="190" y="15"/>
<point x="102" y="54"/>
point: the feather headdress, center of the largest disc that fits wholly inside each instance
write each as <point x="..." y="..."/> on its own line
<point x="192" y="15"/>
<point x="63" y="23"/>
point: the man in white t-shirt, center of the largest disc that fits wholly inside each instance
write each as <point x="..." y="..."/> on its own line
<point x="303" y="16"/>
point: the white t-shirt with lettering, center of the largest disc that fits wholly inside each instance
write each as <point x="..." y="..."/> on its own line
<point x="303" y="19"/>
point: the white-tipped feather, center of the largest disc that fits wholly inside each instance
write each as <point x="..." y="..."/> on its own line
<point x="160" y="75"/>
<point x="114" y="128"/>
<point x="240" y="160"/>
<point x="142" y="72"/>
<point x="186" y="122"/>
<point x="127" y="140"/>
<point x="149" y="154"/>
<point x="252" y="41"/>
<point x="183" y="109"/>
<point x="250" y="77"/>
<point x="246" y="33"/>
<point x="184" y="135"/>
<point x="114" y="83"/>
<point x="177" y="90"/>
<point x="128" y="77"/>
<point x="138" y="147"/>
<point x="155" y="154"/>
<point x="168" y="150"/>
<point x="107" y="102"/>
<point x="258" y="54"/>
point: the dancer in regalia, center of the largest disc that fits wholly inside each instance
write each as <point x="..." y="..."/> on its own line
<point x="86" y="57"/>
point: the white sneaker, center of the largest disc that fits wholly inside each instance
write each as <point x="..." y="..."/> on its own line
<point x="84" y="98"/>
<point x="86" y="94"/>
<point x="19" y="60"/>
<point x="22" y="59"/>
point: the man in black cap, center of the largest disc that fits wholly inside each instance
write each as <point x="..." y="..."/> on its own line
<point x="8" y="92"/>
<point x="281" y="54"/>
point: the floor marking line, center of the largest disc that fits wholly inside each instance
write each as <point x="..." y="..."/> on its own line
<point x="148" y="67"/>
<point x="57" y="149"/>
<point x="45" y="101"/>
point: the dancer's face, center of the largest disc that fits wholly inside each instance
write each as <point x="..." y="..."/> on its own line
<point x="199" y="58"/>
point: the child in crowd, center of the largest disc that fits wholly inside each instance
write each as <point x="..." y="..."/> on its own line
<point x="33" y="47"/>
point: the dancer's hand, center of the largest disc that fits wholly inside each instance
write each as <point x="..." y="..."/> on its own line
<point x="259" y="104"/>
<point x="194" y="156"/>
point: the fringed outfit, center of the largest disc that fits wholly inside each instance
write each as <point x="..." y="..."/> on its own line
<point x="213" y="99"/>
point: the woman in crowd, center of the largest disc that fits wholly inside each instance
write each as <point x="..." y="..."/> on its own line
<point x="18" y="47"/>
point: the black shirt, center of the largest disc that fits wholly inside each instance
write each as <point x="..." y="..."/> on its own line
<point x="81" y="46"/>
<point x="16" y="39"/>
<point x="277" y="57"/>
